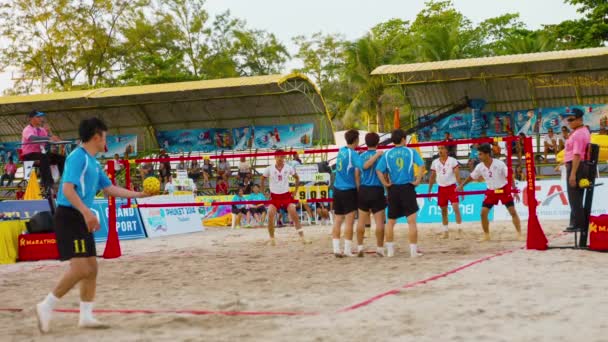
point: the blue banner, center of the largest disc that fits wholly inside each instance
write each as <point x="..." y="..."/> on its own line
<point x="120" y="144"/>
<point x="128" y="221"/>
<point x="458" y="125"/>
<point x="23" y="209"/>
<point x="8" y="150"/>
<point x="496" y="124"/>
<point x="243" y="138"/>
<point x="596" y="116"/>
<point x="470" y="206"/>
<point x="296" y="136"/>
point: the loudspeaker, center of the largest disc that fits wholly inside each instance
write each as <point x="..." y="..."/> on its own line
<point x="42" y="222"/>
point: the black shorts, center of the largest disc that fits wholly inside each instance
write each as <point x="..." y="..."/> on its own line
<point x="237" y="211"/>
<point x="258" y="210"/>
<point x="345" y="201"/>
<point x="401" y="201"/>
<point x="371" y="198"/>
<point x="73" y="238"/>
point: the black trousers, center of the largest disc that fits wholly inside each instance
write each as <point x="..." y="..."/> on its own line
<point x="46" y="160"/>
<point x="575" y="197"/>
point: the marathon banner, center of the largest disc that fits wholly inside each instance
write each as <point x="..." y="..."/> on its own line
<point x="128" y="221"/>
<point x="219" y="139"/>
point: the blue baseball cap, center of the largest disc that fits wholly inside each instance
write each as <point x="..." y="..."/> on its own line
<point x="35" y="114"/>
<point x="577" y="113"/>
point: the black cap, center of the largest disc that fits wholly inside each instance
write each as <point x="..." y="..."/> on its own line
<point x="577" y="113"/>
<point x="36" y="113"/>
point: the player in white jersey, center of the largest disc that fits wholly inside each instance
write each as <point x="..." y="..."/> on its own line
<point x="446" y="171"/>
<point x="280" y="196"/>
<point x="495" y="174"/>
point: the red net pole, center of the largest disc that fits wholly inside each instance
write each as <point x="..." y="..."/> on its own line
<point x="536" y="236"/>
<point x="112" y="249"/>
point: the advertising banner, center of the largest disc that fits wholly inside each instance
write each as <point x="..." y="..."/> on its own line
<point x="553" y="201"/>
<point x="23" y="209"/>
<point x="128" y="221"/>
<point x="596" y="116"/>
<point x="170" y="221"/>
<point x="287" y="136"/>
<point x="429" y="212"/>
<point x="121" y="144"/>
<point x="526" y="121"/>
<point x="209" y="211"/>
<point x="457" y="124"/>
<point x="243" y="138"/>
<point x="187" y="140"/>
<point x="496" y="124"/>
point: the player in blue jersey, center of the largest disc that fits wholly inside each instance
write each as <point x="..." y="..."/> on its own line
<point x="75" y="223"/>
<point x="371" y="195"/>
<point x="396" y="172"/>
<point x="346" y="184"/>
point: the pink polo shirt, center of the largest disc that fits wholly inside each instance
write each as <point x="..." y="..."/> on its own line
<point x="577" y="144"/>
<point x="10" y="168"/>
<point x="28" y="131"/>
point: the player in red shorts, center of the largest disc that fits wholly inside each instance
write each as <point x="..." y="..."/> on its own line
<point x="280" y="196"/>
<point x="495" y="173"/>
<point x="446" y="171"/>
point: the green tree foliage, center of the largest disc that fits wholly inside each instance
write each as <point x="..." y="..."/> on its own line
<point x="589" y="31"/>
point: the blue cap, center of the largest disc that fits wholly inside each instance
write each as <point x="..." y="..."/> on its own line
<point x="35" y="114"/>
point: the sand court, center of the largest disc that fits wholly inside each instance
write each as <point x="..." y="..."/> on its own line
<point x="225" y="284"/>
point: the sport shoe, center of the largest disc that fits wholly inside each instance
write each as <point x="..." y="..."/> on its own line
<point x="43" y="315"/>
<point x="92" y="323"/>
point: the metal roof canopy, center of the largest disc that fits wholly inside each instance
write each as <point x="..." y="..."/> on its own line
<point x="507" y="83"/>
<point x="142" y="110"/>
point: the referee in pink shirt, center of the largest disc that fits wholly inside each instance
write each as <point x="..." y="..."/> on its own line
<point x="31" y="151"/>
<point x="574" y="154"/>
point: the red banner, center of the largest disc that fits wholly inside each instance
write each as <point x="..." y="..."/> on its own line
<point x="33" y="247"/>
<point x="598" y="233"/>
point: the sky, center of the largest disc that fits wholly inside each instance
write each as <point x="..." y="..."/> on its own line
<point x="353" y="18"/>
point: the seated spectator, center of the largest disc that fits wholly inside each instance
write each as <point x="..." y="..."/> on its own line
<point x="195" y="171"/>
<point x="207" y="172"/>
<point x="9" y="173"/>
<point x="240" y="209"/>
<point x="603" y="131"/>
<point x="146" y="170"/>
<point x="257" y="210"/>
<point x="169" y="187"/>
<point x="19" y="193"/>
<point x="473" y="157"/>
<point x="221" y="188"/>
<point x="496" y="150"/>
<point x="223" y="169"/>
<point x="562" y="139"/>
<point x="451" y="148"/>
<point x="165" y="167"/>
<point x="551" y="143"/>
<point x="247" y="184"/>
<point x="244" y="169"/>
<point x="518" y="146"/>
<point x="118" y="166"/>
<point x="181" y="166"/>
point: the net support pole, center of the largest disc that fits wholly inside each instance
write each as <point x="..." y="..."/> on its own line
<point x="536" y="238"/>
<point x="112" y="249"/>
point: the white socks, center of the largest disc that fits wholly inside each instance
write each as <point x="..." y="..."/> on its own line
<point x="413" y="250"/>
<point x="380" y="251"/>
<point x="50" y="301"/>
<point x="444" y="228"/>
<point x="390" y="249"/>
<point x="336" y="245"/>
<point x="359" y="248"/>
<point x="348" y="244"/>
<point x="86" y="312"/>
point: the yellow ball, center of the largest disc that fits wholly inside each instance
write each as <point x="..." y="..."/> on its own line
<point x="584" y="183"/>
<point x="151" y="185"/>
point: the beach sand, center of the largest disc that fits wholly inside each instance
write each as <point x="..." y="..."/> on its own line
<point x="556" y="295"/>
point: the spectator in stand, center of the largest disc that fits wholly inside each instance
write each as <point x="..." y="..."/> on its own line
<point x="551" y="143"/>
<point x="165" y="167"/>
<point x="146" y="170"/>
<point x="473" y="157"/>
<point x="562" y="139"/>
<point x="9" y="173"/>
<point x="244" y="169"/>
<point x="518" y="146"/>
<point x="603" y="131"/>
<point x="221" y="188"/>
<point x="207" y="172"/>
<point x="223" y="169"/>
<point x="257" y="210"/>
<point x="195" y="171"/>
<point x="451" y="148"/>
<point x="181" y="166"/>
<point x="117" y="164"/>
<point x="246" y="184"/>
<point x="496" y="150"/>
<point x="238" y="210"/>
<point x="19" y="193"/>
